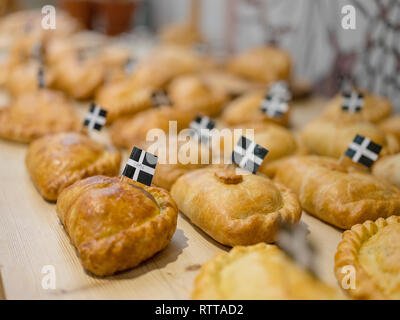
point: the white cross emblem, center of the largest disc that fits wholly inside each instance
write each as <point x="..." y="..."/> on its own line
<point x="361" y="150"/>
<point x="139" y="166"/>
<point x="274" y="106"/>
<point x="352" y="102"/>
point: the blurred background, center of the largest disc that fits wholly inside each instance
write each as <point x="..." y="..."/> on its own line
<point x="311" y="30"/>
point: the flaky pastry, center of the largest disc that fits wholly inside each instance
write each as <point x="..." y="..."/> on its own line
<point x="116" y="224"/>
<point x="261" y="272"/>
<point x="235" y="208"/>
<point x="36" y="114"/>
<point x="262" y="64"/>
<point x="247" y="108"/>
<point x="332" y="137"/>
<point x="336" y="193"/>
<point x="56" y="161"/>
<point x="372" y="249"/>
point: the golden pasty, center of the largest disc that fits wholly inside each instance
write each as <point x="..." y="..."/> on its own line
<point x="36" y="114"/>
<point x="56" y="161"/>
<point x="373" y="250"/>
<point x="185" y="34"/>
<point x="246" y="108"/>
<point x="392" y="125"/>
<point x="235" y="208"/>
<point x="388" y="168"/>
<point x="114" y="223"/>
<point x="262" y="64"/>
<point x="128" y="132"/>
<point x="261" y="272"/>
<point x="23" y="78"/>
<point x="332" y="138"/>
<point x="338" y="194"/>
<point x="124" y="98"/>
<point x="189" y="93"/>
<point x="375" y="108"/>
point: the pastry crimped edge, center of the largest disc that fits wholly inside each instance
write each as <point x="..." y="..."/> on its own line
<point x="347" y="254"/>
<point x="51" y="191"/>
<point x="140" y="243"/>
<point x="255" y="228"/>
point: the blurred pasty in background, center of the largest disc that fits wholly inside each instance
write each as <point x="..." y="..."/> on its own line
<point x="262" y="64"/>
<point x="189" y="93"/>
<point x="373" y="250"/>
<point x="114" y="223"/>
<point x="247" y="108"/>
<point x="388" y="168"/>
<point x="259" y="272"/>
<point x="129" y="132"/>
<point x="338" y="194"/>
<point x="184" y="34"/>
<point x="38" y="113"/>
<point x="235" y="207"/>
<point x="374" y="109"/>
<point x="392" y="125"/>
<point x="332" y="138"/>
<point x="54" y="162"/>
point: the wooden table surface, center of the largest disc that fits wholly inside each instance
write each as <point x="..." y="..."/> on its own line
<point x="31" y="237"/>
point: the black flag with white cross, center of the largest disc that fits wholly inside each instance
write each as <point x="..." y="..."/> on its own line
<point x="280" y="89"/>
<point x="352" y="102"/>
<point x="248" y="155"/>
<point x="95" y="118"/>
<point x="201" y="128"/>
<point x="160" y="98"/>
<point x="141" y="166"/>
<point x="292" y="239"/>
<point x="364" y="151"/>
<point x="274" y="106"/>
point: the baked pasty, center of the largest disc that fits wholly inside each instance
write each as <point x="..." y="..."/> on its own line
<point x="128" y="132"/>
<point x="114" y="223"/>
<point x="338" y="194"/>
<point x="246" y="108"/>
<point x="235" y="209"/>
<point x="373" y="250"/>
<point x="392" y="125"/>
<point x="262" y="64"/>
<point x="388" y="168"/>
<point x="38" y="113"/>
<point x="184" y="34"/>
<point x="261" y="272"/>
<point x="124" y="98"/>
<point x="374" y="109"/>
<point x="189" y="93"/>
<point x="56" y="161"/>
<point x="332" y="138"/>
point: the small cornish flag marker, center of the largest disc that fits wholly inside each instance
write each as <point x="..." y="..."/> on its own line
<point x="130" y="65"/>
<point x="41" y="78"/>
<point x="280" y="89"/>
<point x="95" y="118"/>
<point x="248" y="155"/>
<point x="160" y="98"/>
<point x="364" y="151"/>
<point x="201" y="128"/>
<point x="274" y="106"/>
<point x="141" y="166"/>
<point x="352" y="102"/>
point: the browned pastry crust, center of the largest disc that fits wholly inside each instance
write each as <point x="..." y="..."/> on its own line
<point x="129" y="132"/>
<point x="332" y="137"/>
<point x="258" y="272"/>
<point x="23" y="78"/>
<point x="54" y="162"/>
<point x="124" y="98"/>
<point x="338" y="194"/>
<point x="388" y="168"/>
<point x="235" y="209"/>
<point x="36" y="114"/>
<point x="392" y="125"/>
<point x="372" y="249"/>
<point x="262" y="64"/>
<point x="185" y="34"/>
<point x="375" y="109"/>
<point x="116" y="224"/>
<point x="246" y="108"/>
<point x="189" y="93"/>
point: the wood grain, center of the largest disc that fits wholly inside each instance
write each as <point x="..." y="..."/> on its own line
<point x="32" y="237"/>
